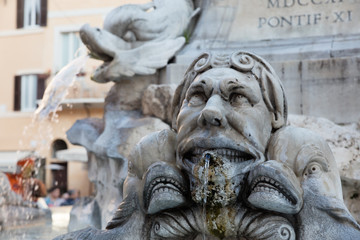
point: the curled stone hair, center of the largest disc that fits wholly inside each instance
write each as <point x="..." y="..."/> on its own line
<point x="271" y="87"/>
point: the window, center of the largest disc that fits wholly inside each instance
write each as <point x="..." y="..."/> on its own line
<point x="58" y="145"/>
<point x="31" y="13"/>
<point x="28" y="89"/>
<point x="70" y="43"/>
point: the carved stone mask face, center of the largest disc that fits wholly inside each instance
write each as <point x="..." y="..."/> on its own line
<point x="223" y="112"/>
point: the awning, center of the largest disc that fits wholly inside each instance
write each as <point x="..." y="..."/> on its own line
<point x="9" y="159"/>
<point x="54" y="166"/>
<point x="75" y="103"/>
<point x="82" y="102"/>
<point x="72" y="154"/>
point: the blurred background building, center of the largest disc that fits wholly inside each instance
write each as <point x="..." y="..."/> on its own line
<point x="37" y="39"/>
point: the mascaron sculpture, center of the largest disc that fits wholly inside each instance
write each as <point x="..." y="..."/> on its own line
<point x="230" y="168"/>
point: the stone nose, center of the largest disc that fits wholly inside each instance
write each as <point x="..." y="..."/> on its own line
<point x="213" y="113"/>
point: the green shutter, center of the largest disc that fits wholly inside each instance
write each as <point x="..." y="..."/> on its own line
<point x="20" y="14"/>
<point x="17" y="93"/>
<point x="43" y="13"/>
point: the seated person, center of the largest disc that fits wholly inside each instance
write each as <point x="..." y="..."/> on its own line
<point x="73" y="195"/>
<point x="53" y="196"/>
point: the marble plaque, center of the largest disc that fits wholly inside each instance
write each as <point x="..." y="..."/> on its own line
<point x="283" y="19"/>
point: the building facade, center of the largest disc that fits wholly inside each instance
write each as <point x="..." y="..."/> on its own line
<point x="37" y="39"/>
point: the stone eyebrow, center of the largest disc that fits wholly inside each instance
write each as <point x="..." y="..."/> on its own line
<point x="233" y="85"/>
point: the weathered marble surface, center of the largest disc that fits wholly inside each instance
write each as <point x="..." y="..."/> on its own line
<point x="156" y="101"/>
<point x="138" y="39"/>
<point x="344" y="143"/>
<point x="107" y="167"/>
<point x="278" y="19"/>
<point x="231" y="167"/>
<point x="109" y="142"/>
<point x="324" y="213"/>
<point x="162" y="200"/>
<point x="308" y="58"/>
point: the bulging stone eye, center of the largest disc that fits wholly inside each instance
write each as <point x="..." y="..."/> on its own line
<point x="313" y="169"/>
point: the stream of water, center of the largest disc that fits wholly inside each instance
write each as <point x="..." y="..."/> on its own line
<point x="58" y="88"/>
<point x="40" y="141"/>
<point x="207" y="158"/>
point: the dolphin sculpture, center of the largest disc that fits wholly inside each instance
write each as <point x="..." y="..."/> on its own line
<point x="138" y="38"/>
<point x="323" y="214"/>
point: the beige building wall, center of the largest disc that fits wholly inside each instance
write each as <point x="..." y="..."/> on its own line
<point x="37" y="50"/>
<point x="76" y="171"/>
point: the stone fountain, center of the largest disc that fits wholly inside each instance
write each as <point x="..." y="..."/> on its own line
<point x="218" y="160"/>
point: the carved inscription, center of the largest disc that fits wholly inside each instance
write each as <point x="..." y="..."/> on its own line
<point x="304" y="19"/>
<point x="292" y="3"/>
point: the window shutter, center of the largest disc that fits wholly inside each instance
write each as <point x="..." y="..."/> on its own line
<point x="41" y="85"/>
<point x="43" y="14"/>
<point x="20" y="14"/>
<point x="17" y="93"/>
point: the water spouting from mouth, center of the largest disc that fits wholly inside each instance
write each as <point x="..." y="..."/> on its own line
<point x="23" y="213"/>
<point x="58" y="88"/>
<point x="207" y="158"/>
